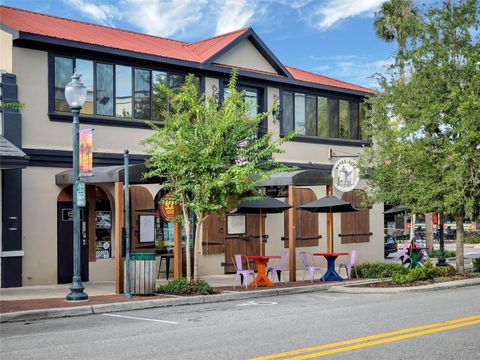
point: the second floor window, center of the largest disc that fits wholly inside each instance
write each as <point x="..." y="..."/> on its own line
<point x="320" y="116"/>
<point x="115" y="91"/>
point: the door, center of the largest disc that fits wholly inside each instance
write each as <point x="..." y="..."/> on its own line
<point x="248" y="244"/>
<point x="65" y="242"/>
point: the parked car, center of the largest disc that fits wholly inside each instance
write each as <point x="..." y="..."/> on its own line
<point x="390" y="245"/>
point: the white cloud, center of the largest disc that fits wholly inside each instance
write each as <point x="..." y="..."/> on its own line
<point x="165" y="18"/>
<point x="333" y="11"/>
<point x="234" y="14"/>
<point x="101" y="13"/>
<point x="354" y="69"/>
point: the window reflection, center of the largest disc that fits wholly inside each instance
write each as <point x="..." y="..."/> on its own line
<point x="300" y="113"/>
<point x="142" y="94"/>
<point x="343" y="116"/>
<point x="159" y="99"/>
<point x="310" y="116"/>
<point x="104" y="96"/>
<point x="85" y="68"/>
<point x="63" y="74"/>
<point x="287" y="112"/>
<point x="123" y="91"/>
<point x="322" y="116"/>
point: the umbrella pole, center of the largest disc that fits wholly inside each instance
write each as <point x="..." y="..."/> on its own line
<point x="330" y="232"/>
<point x="261" y="240"/>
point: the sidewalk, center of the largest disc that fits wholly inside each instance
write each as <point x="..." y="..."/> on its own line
<point x="44" y="301"/>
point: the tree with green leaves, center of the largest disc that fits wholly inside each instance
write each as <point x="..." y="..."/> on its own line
<point x="209" y="155"/>
<point x="397" y="20"/>
<point x="426" y="129"/>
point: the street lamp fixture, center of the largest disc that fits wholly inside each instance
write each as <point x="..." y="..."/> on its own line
<point x="76" y="94"/>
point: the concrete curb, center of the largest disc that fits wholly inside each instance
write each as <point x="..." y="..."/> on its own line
<point x="423" y="288"/>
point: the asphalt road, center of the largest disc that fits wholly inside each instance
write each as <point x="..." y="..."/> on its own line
<point x="246" y="329"/>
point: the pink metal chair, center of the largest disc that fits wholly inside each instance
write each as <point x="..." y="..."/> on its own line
<point x="404" y="255"/>
<point x="243" y="273"/>
<point x="279" y="269"/>
<point x="351" y="265"/>
<point x="309" y="265"/>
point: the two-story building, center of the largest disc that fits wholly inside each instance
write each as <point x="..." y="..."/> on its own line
<point x="122" y="70"/>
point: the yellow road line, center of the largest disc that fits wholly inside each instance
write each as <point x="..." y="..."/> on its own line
<point x="414" y="331"/>
<point x="384" y="341"/>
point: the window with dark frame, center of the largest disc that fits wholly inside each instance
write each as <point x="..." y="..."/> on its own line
<point x="320" y="116"/>
<point x="116" y="91"/>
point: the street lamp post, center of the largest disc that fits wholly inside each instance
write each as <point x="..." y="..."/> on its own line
<point x="76" y="94"/>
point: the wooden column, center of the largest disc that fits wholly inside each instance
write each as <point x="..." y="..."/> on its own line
<point x="119" y="221"/>
<point x="329" y="225"/>
<point x="177" y="247"/>
<point x="292" y="234"/>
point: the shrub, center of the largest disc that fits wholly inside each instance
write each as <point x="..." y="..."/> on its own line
<point x="378" y="270"/>
<point x="181" y="286"/>
<point x="426" y="272"/>
<point x="436" y="253"/>
<point x="472" y="239"/>
<point x="476" y="264"/>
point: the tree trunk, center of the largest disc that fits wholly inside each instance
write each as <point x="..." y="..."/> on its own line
<point x="187" y="243"/>
<point x="198" y="241"/>
<point x="459" y="245"/>
<point x="429" y="231"/>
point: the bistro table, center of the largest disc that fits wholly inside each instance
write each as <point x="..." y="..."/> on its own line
<point x="330" y="274"/>
<point x="261" y="279"/>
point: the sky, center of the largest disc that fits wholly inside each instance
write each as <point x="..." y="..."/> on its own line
<point x="334" y="38"/>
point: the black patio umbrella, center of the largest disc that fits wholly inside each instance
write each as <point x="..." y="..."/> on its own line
<point x="329" y="205"/>
<point x="268" y="205"/>
<point x="396" y="210"/>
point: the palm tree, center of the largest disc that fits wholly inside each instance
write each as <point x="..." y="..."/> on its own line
<point x="397" y="20"/>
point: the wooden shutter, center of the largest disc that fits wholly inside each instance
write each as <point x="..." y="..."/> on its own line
<point x="214" y="230"/>
<point x="306" y="222"/>
<point x="355" y="225"/>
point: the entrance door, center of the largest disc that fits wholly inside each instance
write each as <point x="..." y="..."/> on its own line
<point x="248" y="244"/>
<point x="65" y="242"/>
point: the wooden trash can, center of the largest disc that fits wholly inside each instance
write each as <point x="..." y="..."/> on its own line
<point x="142" y="274"/>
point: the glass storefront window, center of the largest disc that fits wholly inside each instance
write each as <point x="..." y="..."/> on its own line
<point x="333" y="118"/>
<point x="287" y="112"/>
<point x="300" y="113"/>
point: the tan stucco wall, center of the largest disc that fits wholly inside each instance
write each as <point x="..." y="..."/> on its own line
<point x="39" y="223"/>
<point x="5" y="51"/>
<point x="245" y="55"/>
<point x="39" y="132"/>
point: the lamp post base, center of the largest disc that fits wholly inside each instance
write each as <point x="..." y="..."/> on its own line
<point x="76" y="292"/>
<point x="441" y="262"/>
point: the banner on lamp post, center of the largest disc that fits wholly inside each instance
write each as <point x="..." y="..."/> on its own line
<point x="86" y="152"/>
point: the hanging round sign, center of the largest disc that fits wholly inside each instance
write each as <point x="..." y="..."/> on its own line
<point x="167" y="208"/>
<point x="345" y="175"/>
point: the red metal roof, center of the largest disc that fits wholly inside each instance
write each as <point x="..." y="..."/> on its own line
<point x="198" y="52"/>
<point x="206" y="48"/>
<point x="303" y="75"/>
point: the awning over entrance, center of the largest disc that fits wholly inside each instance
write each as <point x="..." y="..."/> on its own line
<point x="299" y="178"/>
<point x="11" y="157"/>
<point x="108" y="174"/>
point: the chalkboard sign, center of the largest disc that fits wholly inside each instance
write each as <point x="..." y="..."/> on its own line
<point x="276" y="191"/>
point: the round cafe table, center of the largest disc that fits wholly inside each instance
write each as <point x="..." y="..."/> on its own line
<point x="331" y="274"/>
<point x="261" y="279"/>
